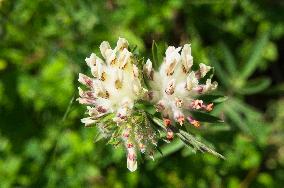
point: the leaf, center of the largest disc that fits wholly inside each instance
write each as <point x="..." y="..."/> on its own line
<point x="159" y="150"/>
<point x="191" y="140"/>
<point x="98" y="137"/>
<point x="106" y="117"/>
<point x="68" y="108"/>
<point x="278" y="90"/>
<point x="219" y="70"/>
<point x="132" y="50"/>
<point x="155" y="56"/>
<point x="159" y="122"/>
<point x="230" y="62"/>
<point x="213" y="98"/>
<point x="205" y="117"/>
<point x="255" y="86"/>
<point x="170" y="148"/>
<point x="244" y="108"/>
<point x="236" y="118"/>
<point x="148" y="107"/>
<point x="256" y="55"/>
<point x="114" y="139"/>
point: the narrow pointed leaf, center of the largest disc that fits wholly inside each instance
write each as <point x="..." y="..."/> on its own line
<point x="255" y="86"/>
<point x="205" y="117"/>
<point x="143" y="105"/>
<point x="230" y="62"/>
<point x="155" y="56"/>
<point x="219" y="70"/>
<point x="213" y="98"/>
<point x="198" y="145"/>
<point x="255" y="57"/>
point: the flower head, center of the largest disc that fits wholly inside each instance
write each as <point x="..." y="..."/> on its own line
<point x="111" y="92"/>
<point x="124" y="111"/>
<point x="115" y="84"/>
<point x="176" y="85"/>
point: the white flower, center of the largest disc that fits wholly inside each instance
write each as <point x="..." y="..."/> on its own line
<point x="113" y="89"/>
<point x="115" y="82"/>
<point x="114" y="96"/>
<point x="175" y="85"/>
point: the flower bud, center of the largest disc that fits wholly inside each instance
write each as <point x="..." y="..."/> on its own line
<point x="193" y="122"/>
<point x="196" y="104"/>
<point x="209" y="107"/>
<point x="167" y="122"/>
<point x="148" y="69"/>
<point x="170" y="134"/>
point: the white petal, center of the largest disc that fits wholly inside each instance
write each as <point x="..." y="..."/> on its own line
<point x="172" y="59"/>
<point x="118" y="78"/>
<point x="131" y="160"/>
<point x="81" y="92"/>
<point x="170" y="50"/>
<point x="187" y="59"/>
<point x="124" y="58"/>
<point x="104" y="47"/>
<point x="121" y="44"/>
<point x="136" y="86"/>
<point x="148" y="69"/>
<point x="191" y="81"/>
<point x="88" y="121"/>
<point x="135" y="71"/>
<point x="99" y="89"/>
<point x="87" y="101"/>
<point x="83" y="79"/>
<point x="204" y="69"/>
<point x="92" y="111"/>
<point x="110" y="56"/>
<point x="210" y="86"/>
<point x="91" y="61"/>
<point x="170" y="89"/>
<point x="97" y="71"/>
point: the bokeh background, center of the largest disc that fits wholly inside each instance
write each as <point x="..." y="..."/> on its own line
<point x="43" y="44"/>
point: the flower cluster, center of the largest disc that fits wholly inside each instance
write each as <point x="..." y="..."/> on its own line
<point x="175" y="86"/>
<point x="118" y="101"/>
<point x="115" y="86"/>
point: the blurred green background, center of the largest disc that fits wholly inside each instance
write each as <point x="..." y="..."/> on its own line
<point x="43" y="44"/>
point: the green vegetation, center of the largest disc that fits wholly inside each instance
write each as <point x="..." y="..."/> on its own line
<point x="43" y="44"/>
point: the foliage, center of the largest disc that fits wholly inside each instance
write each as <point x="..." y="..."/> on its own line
<point x="43" y="46"/>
